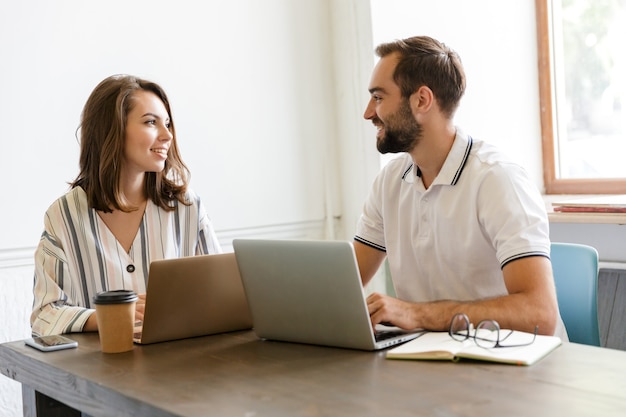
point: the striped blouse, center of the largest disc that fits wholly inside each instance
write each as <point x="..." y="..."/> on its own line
<point x="78" y="256"/>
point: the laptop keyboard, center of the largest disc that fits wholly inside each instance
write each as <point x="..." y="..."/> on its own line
<point x="387" y="334"/>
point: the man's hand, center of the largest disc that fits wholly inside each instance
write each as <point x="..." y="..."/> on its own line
<point x="389" y="310"/>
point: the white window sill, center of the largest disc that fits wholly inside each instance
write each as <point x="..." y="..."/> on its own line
<point x="590" y="218"/>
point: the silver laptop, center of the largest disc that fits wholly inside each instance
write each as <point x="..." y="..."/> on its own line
<point x="309" y="292"/>
<point x="193" y="296"/>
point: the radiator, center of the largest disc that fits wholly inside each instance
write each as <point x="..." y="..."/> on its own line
<point x="612" y="305"/>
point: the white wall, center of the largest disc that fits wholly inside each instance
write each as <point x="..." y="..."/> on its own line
<point x="245" y="78"/>
<point x="267" y="97"/>
<point x="264" y="93"/>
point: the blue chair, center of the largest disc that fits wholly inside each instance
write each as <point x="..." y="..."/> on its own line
<point x="575" y="269"/>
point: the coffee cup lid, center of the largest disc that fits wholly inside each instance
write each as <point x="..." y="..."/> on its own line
<point x="115" y="297"/>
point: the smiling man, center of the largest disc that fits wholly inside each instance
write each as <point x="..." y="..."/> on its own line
<point x="463" y="227"/>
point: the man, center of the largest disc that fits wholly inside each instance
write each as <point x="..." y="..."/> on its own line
<point x="463" y="228"/>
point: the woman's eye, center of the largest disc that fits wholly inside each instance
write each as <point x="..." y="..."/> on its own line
<point x="150" y="122"/>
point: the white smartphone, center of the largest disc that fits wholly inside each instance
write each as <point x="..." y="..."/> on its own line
<point x="49" y="343"/>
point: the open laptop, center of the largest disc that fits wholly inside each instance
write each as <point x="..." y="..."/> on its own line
<point x="309" y="292"/>
<point x="193" y="296"/>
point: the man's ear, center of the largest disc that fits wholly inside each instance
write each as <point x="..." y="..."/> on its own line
<point x="422" y="100"/>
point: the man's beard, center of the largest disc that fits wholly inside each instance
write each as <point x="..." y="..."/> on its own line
<point x="402" y="131"/>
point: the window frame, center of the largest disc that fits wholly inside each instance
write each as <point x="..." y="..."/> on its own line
<point x="549" y="134"/>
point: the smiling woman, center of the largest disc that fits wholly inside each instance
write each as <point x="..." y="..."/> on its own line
<point x="129" y="205"/>
<point x="118" y="131"/>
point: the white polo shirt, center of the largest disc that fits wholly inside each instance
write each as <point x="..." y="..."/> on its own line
<point x="450" y="241"/>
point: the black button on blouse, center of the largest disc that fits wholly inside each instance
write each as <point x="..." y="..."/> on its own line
<point x="130" y="268"/>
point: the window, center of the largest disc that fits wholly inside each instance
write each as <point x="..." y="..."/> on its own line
<point x="582" y="77"/>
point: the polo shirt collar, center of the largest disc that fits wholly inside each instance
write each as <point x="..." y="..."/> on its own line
<point x="453" y="165"/>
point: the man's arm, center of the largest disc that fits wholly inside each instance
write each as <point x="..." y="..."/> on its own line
<point x="369" y="260"/>
<point x="531" y="302"/>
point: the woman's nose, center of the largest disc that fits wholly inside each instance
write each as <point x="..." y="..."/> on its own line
<point x="166" y="134"/>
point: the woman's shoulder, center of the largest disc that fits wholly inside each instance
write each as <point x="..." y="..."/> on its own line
<point x="74" y="198"/>
<point x="191" y="196"/>
<point x="70" y="209"/>
<point x="190" y="201"/>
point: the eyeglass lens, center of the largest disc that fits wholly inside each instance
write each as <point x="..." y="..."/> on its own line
<point x="460" y="327"/>
<point x="487" y="334"/>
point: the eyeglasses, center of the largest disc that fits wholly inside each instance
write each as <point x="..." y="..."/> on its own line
<point x="486" y="335"/>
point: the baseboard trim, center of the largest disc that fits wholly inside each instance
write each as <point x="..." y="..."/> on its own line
<point x="612" y="265"/>
<point x="17" y="257"/>
<point x="314" y="229"/>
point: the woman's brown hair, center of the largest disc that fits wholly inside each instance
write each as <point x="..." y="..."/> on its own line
<point x="102" y="136"/>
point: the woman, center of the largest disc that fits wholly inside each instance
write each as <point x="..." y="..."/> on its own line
<point x="128" y="206"/>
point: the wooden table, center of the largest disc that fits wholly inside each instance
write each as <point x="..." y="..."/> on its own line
<point x="238" y="375"/>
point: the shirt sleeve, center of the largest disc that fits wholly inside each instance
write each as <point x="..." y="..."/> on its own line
<point x="370" y="229"/>
<point x="208" y="242"/>
<point x="51" y="313"/>
<point x="523" y="230"/>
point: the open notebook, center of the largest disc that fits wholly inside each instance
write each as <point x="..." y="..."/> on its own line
<point x="440" y="346"/>
<point x="309" y="292"/>
<point x="193" y="296"/>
